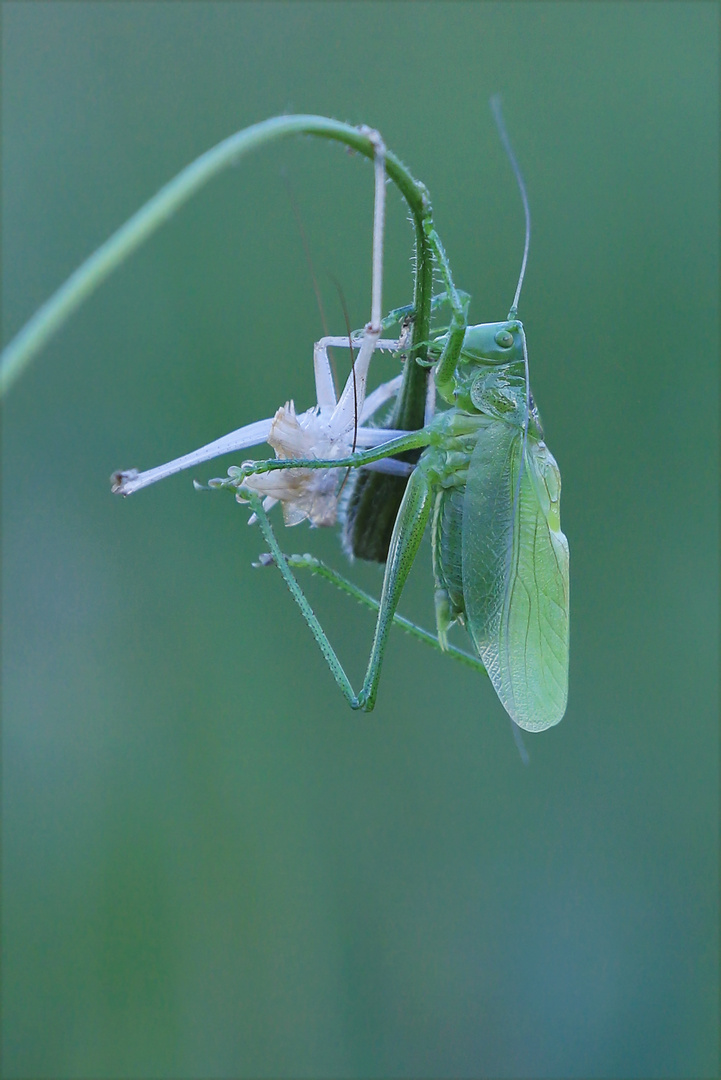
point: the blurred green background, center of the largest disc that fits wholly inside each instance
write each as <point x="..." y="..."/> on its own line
<point x="211" y="866"/>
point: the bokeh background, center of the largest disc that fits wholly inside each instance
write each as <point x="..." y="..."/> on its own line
<point x="211" y="866"/>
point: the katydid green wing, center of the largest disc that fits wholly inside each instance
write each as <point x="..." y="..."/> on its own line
<point x="515" y="574"/>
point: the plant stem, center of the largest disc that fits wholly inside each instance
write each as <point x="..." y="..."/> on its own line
<point x="48" y="319"/>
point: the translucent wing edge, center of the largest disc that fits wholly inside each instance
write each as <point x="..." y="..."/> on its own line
<point x="534" y="637"/>
<point x="515" y="575"/>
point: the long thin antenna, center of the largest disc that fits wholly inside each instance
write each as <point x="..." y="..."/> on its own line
<point x="344" y="306"/>
<point x="355" y="386"/>
<point x="309" y="262"/>
<point x="500" y="124"/>
<point x="306" y="247"/>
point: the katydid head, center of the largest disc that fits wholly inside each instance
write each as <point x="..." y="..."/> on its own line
<point x="490" y="373"/>
<point x="492" y="343"/>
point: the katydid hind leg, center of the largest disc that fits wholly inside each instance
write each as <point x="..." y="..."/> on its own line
<point x="410" y="526"/>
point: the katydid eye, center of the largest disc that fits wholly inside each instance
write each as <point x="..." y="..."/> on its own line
<point x="504" y="339"/>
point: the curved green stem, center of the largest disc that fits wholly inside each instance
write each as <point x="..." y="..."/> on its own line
<point x="48" y="319"/>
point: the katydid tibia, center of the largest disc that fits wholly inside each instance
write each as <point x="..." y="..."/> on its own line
<point x="485" y="483"/>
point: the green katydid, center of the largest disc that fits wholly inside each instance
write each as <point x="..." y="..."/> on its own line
<point x="490" y="489"/>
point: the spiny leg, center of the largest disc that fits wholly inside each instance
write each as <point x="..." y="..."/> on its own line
<point x="412" y="440"/>
<point x="322" y="570"/>
<point x="307" y="487"/>
<point x="409" y="529"/>
<point x="403" y="315"/>
<point x="456" y="331"/>
<point x="300" y="598"/>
